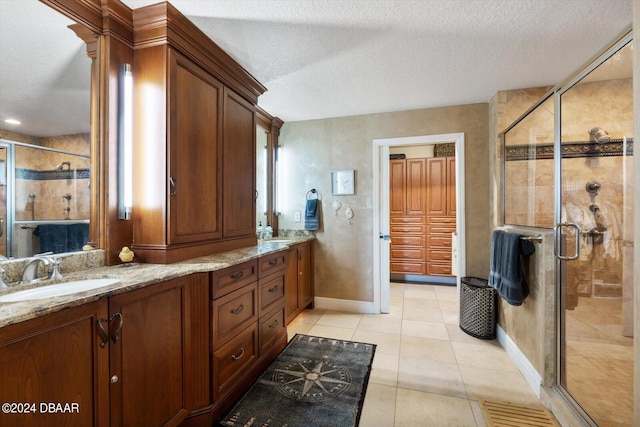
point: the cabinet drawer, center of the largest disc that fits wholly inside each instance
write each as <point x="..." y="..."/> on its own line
<point x="442" y="229"/>
<point x="233" y="312"/>
<point x="406" y="220"/>
<point x="271" y="292"/>
<point x="272" y="328"/>
<point x="441" y="241"/>
<point x="407" y="267"/>
<point x="441" y="220"/>
<point x="271" y="263"/>
<point x="410" y="229"/>
<point x="438" y="255"/>
<point x="234" y="359"/>
<point x="438" y="269"/>
<point x="408" y="254"/>
<point x="232" y="278"/>
<point x="402" y="240"/>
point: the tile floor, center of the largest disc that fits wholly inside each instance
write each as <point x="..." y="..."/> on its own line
<point x="426" y="371"/>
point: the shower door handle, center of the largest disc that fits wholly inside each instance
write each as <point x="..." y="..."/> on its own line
<point x="557" y="241"/>
<point x="1" y="227"/>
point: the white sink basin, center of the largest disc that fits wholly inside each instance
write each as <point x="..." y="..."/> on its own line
<point x="56" y="290"/>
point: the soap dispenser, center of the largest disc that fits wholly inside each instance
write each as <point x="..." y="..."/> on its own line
<point x="268" y="231"/>
<point x="260" y="231"/>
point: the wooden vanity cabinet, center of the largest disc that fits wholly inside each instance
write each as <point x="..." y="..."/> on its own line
<point x="56" y="358"/>
<point x="152" y="367"/>
<point x="248" y="326"/>
<point x="194" y="142"/>
<point x="299" y="279"/>
<point x="160" y="357"/>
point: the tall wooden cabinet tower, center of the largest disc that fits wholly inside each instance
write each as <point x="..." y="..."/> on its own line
<point x="422" y="216"/>
<point x="194" y="141"/>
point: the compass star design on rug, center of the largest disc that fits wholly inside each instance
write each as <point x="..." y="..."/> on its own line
<point x="311" y="380"/>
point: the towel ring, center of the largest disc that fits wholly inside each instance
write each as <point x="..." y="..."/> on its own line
<point x="311" y="193"/>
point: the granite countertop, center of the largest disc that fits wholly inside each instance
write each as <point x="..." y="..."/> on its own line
<point x="130" y="277"/>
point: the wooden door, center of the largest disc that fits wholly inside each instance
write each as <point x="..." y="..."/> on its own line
<point x="436" y="186"/>
<point x="195" y="173"/>
<point x="239" y="153"/>
<point x="56" y="359"/>
<point x="451" y="186"/>
<point x="305" y="275"/>
<point x="153" y="357"/>
<point x="397" y="186"/>
<point x="416" y="187"/>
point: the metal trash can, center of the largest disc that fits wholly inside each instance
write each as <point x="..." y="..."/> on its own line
<point x="478" y="313"/>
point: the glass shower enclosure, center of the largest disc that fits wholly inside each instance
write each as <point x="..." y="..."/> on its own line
<point x="44" y="197"/>
<point x="568" y="166"/>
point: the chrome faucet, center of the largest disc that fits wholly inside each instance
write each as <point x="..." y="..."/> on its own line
<point x="30" y="273"/>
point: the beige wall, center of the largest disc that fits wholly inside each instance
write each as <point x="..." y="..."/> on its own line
<point x="344" y="249"/>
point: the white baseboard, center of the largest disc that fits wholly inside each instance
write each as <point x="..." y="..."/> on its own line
<point x="350" y="306"/>
<point x="526" y="368"/>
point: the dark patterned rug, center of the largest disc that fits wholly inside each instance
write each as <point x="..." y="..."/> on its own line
<point x="313" y="382"/>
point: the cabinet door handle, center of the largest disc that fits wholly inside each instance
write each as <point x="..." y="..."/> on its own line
<point x="273" y="261"/>
<point x="234" y="357"/>
<point x="116" y="335"/>
<point x="103" y="332"/>
<point x="274" y="324"/>
<point x="275" y="288"/>
<point x="237" y="274"/>
<point x="172" y="183"/>
<point x="238" y="310"/>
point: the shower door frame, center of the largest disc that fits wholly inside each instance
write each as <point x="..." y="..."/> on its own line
<point x="10" y="207"/>
<point x="619" y="43"/>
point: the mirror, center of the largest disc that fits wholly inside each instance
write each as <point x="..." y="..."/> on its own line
<point x="45" y="81"/>
<point x="267" y="133"/>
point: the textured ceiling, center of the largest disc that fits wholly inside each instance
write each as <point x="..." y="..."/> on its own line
<point x="329" y="58"/>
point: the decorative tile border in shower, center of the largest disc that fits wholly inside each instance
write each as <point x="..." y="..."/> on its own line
<point x="570" y="150"/>
<point x="46" y="175"/>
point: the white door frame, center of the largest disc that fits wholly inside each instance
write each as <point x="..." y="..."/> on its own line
<point x="381" y="209"/>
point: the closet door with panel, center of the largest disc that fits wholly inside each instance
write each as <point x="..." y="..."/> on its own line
<point x="239" y="157"/>
<point x="195" y="151"/>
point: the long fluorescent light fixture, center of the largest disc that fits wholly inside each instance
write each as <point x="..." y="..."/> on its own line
<point x="125" y="142"/>
<point x="279" y="180"/>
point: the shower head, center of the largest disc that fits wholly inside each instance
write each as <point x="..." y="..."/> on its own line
<point x="599" y="135"/>
<point x="593" y="188"/>
<point x="61" y="166"/>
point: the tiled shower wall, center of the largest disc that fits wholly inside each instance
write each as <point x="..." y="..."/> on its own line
<point x="49" y="203"/>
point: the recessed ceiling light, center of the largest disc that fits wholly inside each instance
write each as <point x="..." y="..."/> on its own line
<point x="12" y="121"/>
